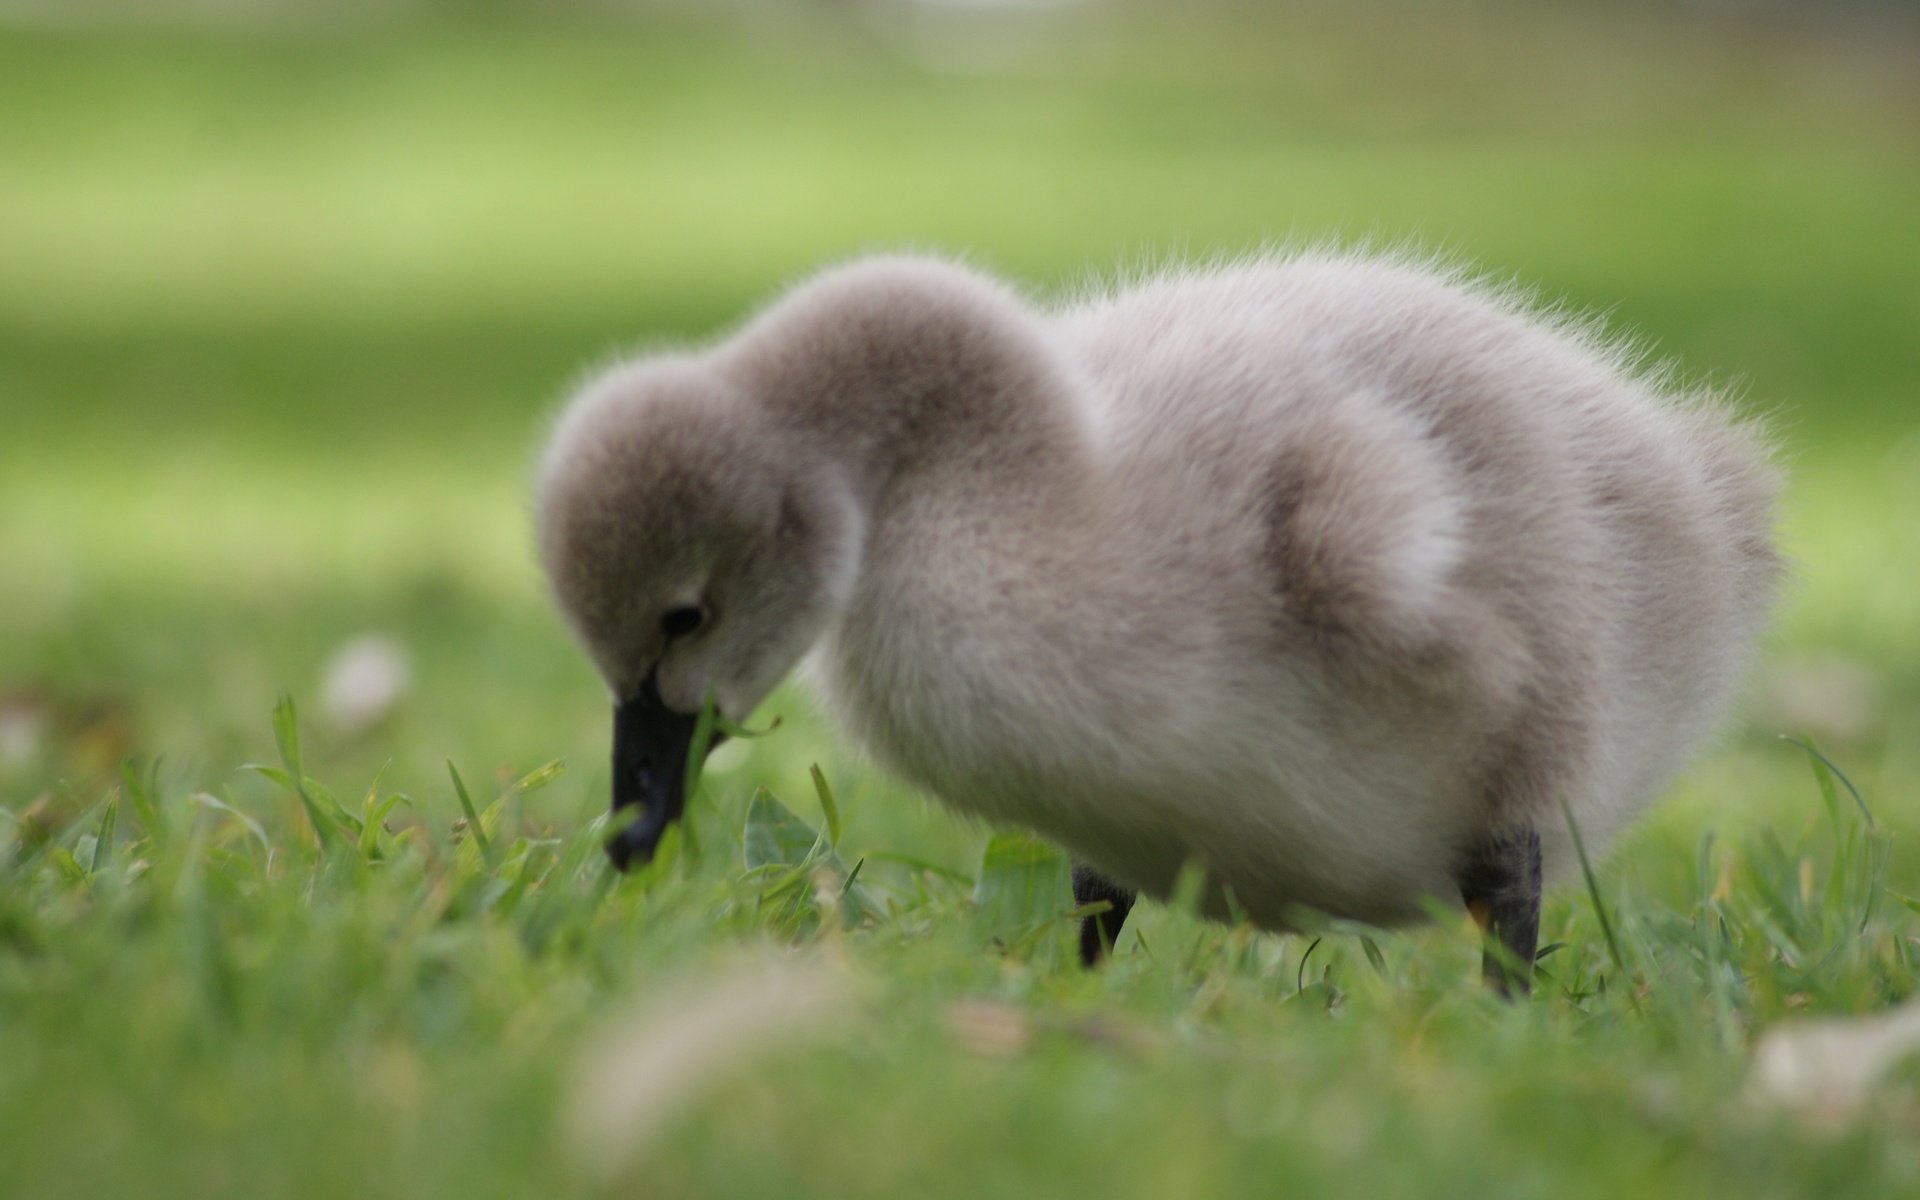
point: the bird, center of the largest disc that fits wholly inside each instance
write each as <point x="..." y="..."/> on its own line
<point x="1341" y="576"/>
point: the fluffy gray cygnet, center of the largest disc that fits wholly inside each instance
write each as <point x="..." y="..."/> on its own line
<point x="1333" y="574"/>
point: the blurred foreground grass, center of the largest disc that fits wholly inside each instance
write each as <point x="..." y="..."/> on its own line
<point x="283" y="310"/>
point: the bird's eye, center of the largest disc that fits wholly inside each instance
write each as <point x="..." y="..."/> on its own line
<point x="680" y="622"/>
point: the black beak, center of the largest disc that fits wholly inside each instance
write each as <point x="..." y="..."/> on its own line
<point x="651" y="746"/>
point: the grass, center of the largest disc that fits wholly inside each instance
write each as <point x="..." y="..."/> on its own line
<point x="301" y="997"/>
<point x="284" y="309"/>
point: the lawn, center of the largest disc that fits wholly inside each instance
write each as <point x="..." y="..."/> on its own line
<point x="283" y="310"/>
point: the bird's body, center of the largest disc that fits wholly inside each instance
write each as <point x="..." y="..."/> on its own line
<point x="1323" y="572"/>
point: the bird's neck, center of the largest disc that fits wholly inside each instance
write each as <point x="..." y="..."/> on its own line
<point x="972" y="450"/>
<point x="919" y="377"/>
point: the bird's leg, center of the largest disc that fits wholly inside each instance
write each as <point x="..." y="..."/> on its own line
<point x="1100" y="931"/>
<point x="1501" y="885"/>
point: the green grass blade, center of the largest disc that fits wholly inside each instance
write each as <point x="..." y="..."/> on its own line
<point x="1300" y="976"/>
<point x="103" y="836"/>
<point x="828" y="808"/>
<point x="1593" y="892"/>
<point x="1374" y="956"/>
<point x="476" y="829"/>
<point x="142" y="793"/>
<point x="253" y="827"/>
<point x="286" y="735"/>
<point x="697" y="749"/>
<point x="1189" y="888"/>
<point x="1825" y="771"/>
<point x="774" y="836"/>
<point x="733" y="730"/>
<point x="1023" y="882"/>
<point x="539" y="777"/>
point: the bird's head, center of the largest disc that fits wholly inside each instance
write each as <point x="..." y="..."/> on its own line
<point x="696" y="550"/>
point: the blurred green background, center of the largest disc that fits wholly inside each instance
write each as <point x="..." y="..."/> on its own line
<point x="286" y="298"/>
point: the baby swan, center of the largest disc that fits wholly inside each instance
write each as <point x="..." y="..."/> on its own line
<point x="1331" y="574"/>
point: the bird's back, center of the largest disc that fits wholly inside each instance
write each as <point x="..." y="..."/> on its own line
<point x="1429" y="481"/>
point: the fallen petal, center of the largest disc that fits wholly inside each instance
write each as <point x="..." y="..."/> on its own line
<point x="366" y="680"/>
